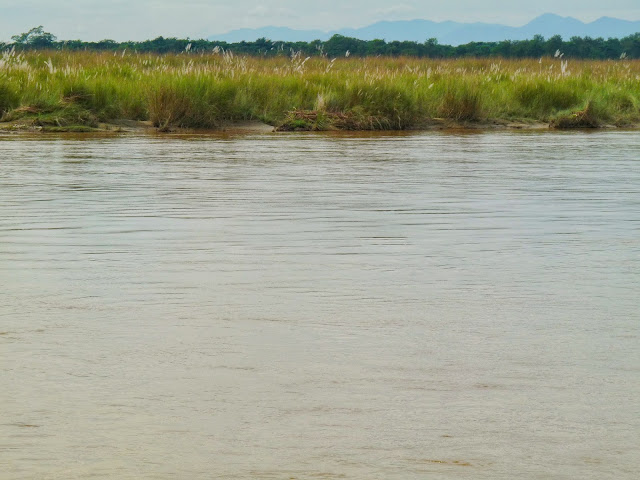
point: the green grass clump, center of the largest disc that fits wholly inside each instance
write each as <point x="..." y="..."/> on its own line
<point x="461" y="103"/>
<point x="586" y="118"/>
<point x="62" y="115"/>
<point x="9" y="99"/>
<point x="63" y="89"/>
<point x="541" y="97"/>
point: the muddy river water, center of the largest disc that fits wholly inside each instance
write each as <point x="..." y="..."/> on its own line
<point x="300" y="306"/>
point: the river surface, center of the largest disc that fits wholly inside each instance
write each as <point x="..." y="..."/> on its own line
<point x="275" y="306"/>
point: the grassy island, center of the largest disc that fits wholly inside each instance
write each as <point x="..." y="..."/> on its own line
<point x="81" y="90"/>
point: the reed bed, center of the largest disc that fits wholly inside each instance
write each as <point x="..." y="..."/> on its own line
<point x="63" y="89"/>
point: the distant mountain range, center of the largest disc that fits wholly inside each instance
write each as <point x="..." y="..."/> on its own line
<point x="448" y="33"/>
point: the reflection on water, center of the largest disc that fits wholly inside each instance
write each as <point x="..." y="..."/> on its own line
<point x="302" y="306"/>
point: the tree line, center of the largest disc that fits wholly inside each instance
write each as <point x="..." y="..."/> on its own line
<point x="339" y="45"/>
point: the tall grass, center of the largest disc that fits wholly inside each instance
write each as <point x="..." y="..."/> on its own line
<point x="209" y="90"/>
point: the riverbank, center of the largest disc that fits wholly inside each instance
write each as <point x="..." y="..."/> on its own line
<point x="89" y="91"/>
<point x="137" y="127"/>
<point x="124" y="127"/>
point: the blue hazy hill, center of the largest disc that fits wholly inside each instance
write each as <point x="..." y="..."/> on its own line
<point x="449" y="32"/>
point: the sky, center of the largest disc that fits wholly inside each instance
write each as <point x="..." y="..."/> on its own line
<point x="145" y="19"/>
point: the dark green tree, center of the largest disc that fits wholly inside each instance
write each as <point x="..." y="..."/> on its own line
<point x="35" y="38"/>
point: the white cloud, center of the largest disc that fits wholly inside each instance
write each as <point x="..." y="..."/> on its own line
<point x="396" y="12"/>
<point x="263" y="12"/>
<point x="258" y="11"/>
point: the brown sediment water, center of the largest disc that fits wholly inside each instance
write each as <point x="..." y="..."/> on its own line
<point x="397" y="306"/>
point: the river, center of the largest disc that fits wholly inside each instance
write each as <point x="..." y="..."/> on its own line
<point x="301" y="306"/>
